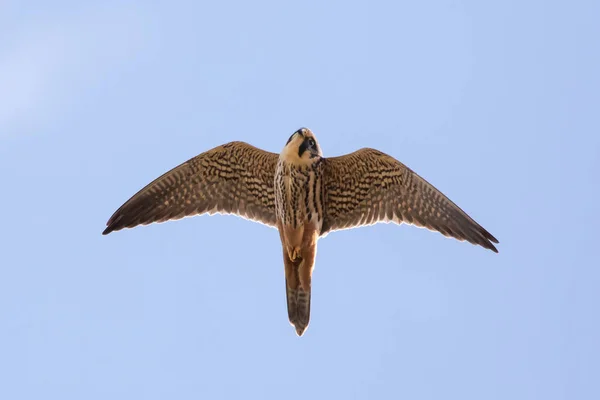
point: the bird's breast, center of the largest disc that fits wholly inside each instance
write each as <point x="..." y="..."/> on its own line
<point x="299" y="194"/>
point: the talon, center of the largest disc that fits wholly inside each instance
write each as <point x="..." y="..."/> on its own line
<point x="295" y="254"/>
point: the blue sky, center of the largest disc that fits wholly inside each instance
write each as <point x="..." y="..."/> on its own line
<point x="496" y="104"/>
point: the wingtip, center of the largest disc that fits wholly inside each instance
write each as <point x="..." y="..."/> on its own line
<point x="113" y="223"/>
<point x="488" y="245"/>
<point x="491" y="240"/>
<point x="111" y="226"/>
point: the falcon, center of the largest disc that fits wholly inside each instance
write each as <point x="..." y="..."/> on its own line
<point x="304" y="196"/>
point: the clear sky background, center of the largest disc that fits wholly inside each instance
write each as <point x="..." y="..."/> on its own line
<point x="495" y="103"/>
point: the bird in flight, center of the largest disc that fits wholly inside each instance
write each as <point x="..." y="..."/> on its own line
<point x="304" y="196"/>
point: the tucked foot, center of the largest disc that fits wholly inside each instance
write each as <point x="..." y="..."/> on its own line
<point x="295" y="254"/>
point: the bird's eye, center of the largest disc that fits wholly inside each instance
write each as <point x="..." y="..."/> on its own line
<point x="311" y="143"/>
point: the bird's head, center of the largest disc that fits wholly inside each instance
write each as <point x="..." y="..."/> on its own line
<point x="302" y="147"/>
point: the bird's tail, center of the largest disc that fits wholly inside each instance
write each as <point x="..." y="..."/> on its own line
<point x="298" y="304"/>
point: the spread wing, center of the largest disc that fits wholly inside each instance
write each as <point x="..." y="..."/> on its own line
<point x="235" y="178"/>
<point x="368" y="186"/>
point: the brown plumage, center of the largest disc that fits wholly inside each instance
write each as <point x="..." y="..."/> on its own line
<point x="368" y="186"/>
<point x="302" y="194"/>
<point x="234" y="178"/>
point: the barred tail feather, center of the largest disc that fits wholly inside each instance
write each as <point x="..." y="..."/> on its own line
<point x="298" y="303"/>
